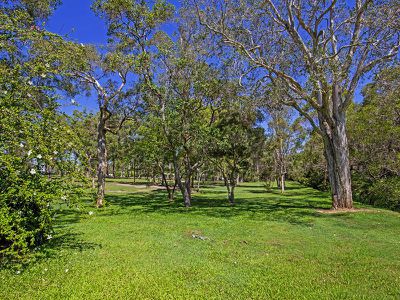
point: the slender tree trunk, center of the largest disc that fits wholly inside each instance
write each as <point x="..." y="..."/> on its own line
<point x="134" y="172"/>
<point x="230" y="184"/>
<point x="184" y="188"/>
<point x="113" y="168"/>
<point x="199" y="175"/>
<point x="232" y="195"/>
<point x="170" y="191"/>
<point x="278" y="183"/>
<point x="337" y="157"/>
<point x="102" y="158"/>
<point x="188" y="191"/>
<point x="282" y="183"/>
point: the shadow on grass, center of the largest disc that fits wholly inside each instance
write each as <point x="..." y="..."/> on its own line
<point x="297" y="206"/>
<point x="67" y="240"/>
<point x="51" y="249"/>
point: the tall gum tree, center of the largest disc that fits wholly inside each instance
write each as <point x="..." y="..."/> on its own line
<point x="106" y="74"/>
<point x="189" y="87"/>
<point x="319" y="50"/>
<point x="130" y="27"/>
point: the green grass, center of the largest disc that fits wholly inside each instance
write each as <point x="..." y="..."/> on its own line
<point x="268" y="246"/>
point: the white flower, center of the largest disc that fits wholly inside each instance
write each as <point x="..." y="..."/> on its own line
<point x="49" y="237"/>
<point x="29" y="152"/>
<point x="47" y="65"/>
<point x="21" y="145"/>
<point x="66" y="270"/>
<point x="73" y="101"/>
<point x="90" y="213"/>
<point x="32" y="171"/>
<point x="43" y="75"/>
<point x="5" y="92"/>
<point x="55" y="152"/>
<point x="82" y="45"/>
<point x="39" y="156"/>
<point x="45" y="270"/>
<point x="18" y="272"/>
<point x="30" y="82"/>
<point x="64" y="198"/>
<point x="29" y="95"/>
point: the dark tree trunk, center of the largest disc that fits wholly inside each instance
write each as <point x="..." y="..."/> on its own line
<point x="184" y="188"/>
<point x="170" y="191"/>
<point x="337" y="157"/>
<point x="102" y="158"/>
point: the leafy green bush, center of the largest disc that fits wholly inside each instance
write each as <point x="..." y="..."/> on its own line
<point x="25" y="214"/>
<point x="383" y="193"/>
<point x="26" y="201"/>
<point x="40" y="160"/>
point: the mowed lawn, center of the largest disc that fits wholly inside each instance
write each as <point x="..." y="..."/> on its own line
<point x="268" y="246"/>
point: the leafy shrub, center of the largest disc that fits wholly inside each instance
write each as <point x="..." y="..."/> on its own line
<point x="26" y="201"/>
<point x="383" y="193"/>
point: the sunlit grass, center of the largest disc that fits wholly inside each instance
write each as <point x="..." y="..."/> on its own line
<point x="268" y="246"/>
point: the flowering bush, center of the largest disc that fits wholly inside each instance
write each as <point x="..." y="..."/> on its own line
<point x="39" y="163"/>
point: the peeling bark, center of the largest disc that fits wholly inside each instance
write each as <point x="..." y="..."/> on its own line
<point x="337" y="158"/>
<point x="102" y="158"/>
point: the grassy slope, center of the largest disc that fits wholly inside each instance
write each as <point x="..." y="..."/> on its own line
<point x="269" y="246"/>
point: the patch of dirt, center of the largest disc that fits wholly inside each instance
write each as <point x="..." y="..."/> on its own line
<point x="344" y="210"/>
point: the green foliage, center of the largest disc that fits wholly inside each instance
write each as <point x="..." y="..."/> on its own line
<point x="132" y="23"/>
<point x="233" y="139"/>
<point x="374" y="133"/>
<point x="38" y="156"/>
<point x="309" y="165"/>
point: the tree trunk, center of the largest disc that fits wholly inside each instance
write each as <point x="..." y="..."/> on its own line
<point x="134" y="172"/>
<point x="230" y="184"/>
<point x="232" y="195"/>
<point x="182" y="187"/>
<point x="199" y="175"/>
<point x="170" y="191"/>
<point x="188" y="191"/>
<point x="282" y="183"/>
<point x="102" y="159"/>
<point x="113" y="168"/>
<point x="337" y="157"/>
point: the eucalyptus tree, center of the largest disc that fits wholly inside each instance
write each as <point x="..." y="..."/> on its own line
<point x="189" y="89"/>
<point x="232" y="141"/>
<point x="131" y="24"/>
<point x="282" y="140"/>
<point x="319" y="51"/>
<point x="106" y="73"/>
